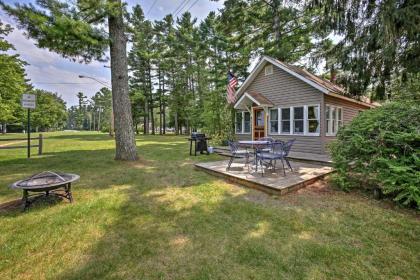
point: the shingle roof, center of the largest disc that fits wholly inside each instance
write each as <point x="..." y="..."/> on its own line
<point x="260" y="98"/>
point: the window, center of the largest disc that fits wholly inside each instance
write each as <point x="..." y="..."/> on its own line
<point x="339" y="117"/>
<point x="268" y="69"/>
<point x="260" y="118"/>
<point x="242" y="122"/>
<point x="247" y="122"/>
<point x="298" y="120"/>
<point x="285" y="120"/>
<point x="334" y="119"/>
<point x="274" y="121"/>
<point x="328" y="119"/>
<point x="312" y="122"/>
<point x="239" y="122"/>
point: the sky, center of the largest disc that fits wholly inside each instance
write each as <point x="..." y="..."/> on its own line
<point x="49" y="71"/>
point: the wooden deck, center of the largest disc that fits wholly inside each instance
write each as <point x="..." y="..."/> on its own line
<point x="274" y="183"/>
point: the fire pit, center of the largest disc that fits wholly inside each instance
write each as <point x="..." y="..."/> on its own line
<point x="48" y="182"/>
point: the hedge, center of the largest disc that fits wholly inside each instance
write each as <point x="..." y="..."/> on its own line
<point x="380" y="148"/>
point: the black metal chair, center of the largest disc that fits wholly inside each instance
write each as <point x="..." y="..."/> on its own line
<point x="270" y="140"/>
<point x="236" y="152"/>
<point x="286" y="149"/>
<point x="267" y="158"/>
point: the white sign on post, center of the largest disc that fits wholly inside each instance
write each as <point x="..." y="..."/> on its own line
<point x="29" y="101"/>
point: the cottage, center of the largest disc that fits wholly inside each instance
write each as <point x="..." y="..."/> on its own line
<point x="283" y="101"/>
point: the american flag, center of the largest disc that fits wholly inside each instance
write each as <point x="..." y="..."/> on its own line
<point x="232" y="82"/>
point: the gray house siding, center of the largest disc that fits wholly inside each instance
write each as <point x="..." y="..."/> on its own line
<point x="350" y="111"/>
<point x="283" y="89"/>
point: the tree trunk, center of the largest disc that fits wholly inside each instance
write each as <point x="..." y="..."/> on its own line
<point x="146" y="115"/>
<point x="4" y="128"/>
<point x="164" y="118"/>
<point x="160" y="101"/>
<point x="276" y="7"/>
<point x="176" y="124"/>
<point x="163" y="107"/>
<point x="152" y="117"/>
<point x="160" y="115"/>
<point x="124" y="133"/>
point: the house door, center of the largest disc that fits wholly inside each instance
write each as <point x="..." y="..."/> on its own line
<point x="259" y="123"/>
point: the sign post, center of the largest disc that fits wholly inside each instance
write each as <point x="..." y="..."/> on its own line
<point x="29" y="102"/>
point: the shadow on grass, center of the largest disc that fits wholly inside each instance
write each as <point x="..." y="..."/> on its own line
<point x="98" y="170"/>
<point x="159" y="219"/>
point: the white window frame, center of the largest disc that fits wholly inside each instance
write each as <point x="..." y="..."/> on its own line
<point x="278" y="121"/>
<point x="292" y="123"/>
<point x="307" y="120"/>
<point x="268" y="69"/>
<point x="293" y="120"/>
<point x="243" y="122"/>
<point x="328" y="130"/>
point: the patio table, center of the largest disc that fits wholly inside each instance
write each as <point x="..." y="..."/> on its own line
<point x="255" y="145"/>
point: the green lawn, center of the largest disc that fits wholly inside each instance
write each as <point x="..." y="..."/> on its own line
<point x="158" y="218"/>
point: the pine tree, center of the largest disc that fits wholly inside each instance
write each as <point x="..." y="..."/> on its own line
<point x="76" y="31"/>
<point x="380" y="43"/>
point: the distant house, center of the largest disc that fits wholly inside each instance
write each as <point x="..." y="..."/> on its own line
<point x="283" y="101"/>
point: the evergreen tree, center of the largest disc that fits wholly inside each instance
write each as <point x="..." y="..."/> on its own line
<point x="12" y="81"/>
<point x="140" y="62"/>
<point x="380" y="43"/>
<point x="76" y="31"/>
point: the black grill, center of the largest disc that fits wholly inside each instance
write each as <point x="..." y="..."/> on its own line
<point x="200" y="143"/>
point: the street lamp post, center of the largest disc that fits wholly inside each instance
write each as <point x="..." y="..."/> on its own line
<point x="111" y="128"/>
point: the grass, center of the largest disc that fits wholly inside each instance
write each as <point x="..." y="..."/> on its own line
<point x="158" y="218"/>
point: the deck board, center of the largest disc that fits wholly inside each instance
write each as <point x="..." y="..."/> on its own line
<point x="272" y="182"/>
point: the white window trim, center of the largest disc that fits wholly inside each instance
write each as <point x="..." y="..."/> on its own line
<point x="281" y="121"/>
<point x="243" y="122"/>
<point x="268" y="70"/>
<point x="269" y="121"/>
<point x="331" y="119"/>
<point x="293" y="120"/>
<point x="305" y="121"/>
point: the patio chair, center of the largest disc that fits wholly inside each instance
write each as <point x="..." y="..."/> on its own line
<point x="267" y="158"/>
<point x="269" y="139"/>
<point x="236" y="152"/>
<point x="286" y="149"/>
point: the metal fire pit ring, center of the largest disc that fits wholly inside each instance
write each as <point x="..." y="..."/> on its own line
<point x="48" y="182"/>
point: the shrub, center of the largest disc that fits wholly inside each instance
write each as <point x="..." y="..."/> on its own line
<point x="381" y="148"/>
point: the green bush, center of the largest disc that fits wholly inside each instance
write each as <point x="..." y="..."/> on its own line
<point x="381" y="148"/>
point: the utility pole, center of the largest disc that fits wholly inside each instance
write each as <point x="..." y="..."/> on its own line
<point x="29" y="133"/>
